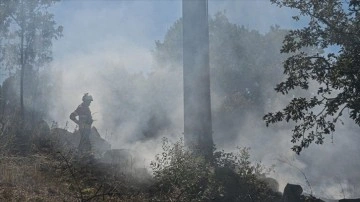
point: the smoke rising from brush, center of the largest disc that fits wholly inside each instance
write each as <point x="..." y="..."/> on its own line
<point x="137" y="89"/>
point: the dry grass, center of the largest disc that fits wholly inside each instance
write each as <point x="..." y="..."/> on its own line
<point x="31" y="178"/>
<point x="47" y="177"/>
<point x="38" y="168"/>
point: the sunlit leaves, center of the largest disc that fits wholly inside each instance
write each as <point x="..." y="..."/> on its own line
<point x="332" y="25"/>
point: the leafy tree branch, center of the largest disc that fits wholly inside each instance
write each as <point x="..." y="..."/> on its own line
<point x="334" y="26"/>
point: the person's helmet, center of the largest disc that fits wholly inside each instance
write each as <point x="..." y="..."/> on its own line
<point x="87" y="97"/>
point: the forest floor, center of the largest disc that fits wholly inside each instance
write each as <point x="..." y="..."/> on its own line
<point x="55" y="177"/>
<point x="35" y="177"/>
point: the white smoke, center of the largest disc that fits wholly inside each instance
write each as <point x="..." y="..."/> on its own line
<point x="106" y="43"/>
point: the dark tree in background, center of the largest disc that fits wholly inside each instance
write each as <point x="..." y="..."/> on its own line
<point x="333" y="25"/>
<point x="244" y="64"/>
<point x="27" y="29"/>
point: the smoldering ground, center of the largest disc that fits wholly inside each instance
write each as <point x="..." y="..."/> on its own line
<point x="137" y="101"/>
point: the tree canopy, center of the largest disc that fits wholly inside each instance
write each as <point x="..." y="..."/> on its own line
<point x="242" y="61"/>
<point x="27" y="29"/>
<point x="332" y="75"/>
<point x="243" y="64"/>
<point x="31" y="25"/>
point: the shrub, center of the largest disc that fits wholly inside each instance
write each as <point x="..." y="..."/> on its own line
<point x="181" y="175"/>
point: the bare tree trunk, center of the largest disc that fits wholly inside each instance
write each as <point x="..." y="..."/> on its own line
<point x="22" y="64"/>
<point x="22" y="71"/>
<point x="196" y="72"/>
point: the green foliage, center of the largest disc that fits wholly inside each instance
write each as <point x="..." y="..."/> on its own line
<point x="27" y="29"/>
<point x="334" y="26"/>
<point x="183" y="176"/>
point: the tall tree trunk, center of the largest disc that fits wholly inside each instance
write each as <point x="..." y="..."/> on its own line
<point x="22" y="63"/>
<point x="196" y="75"/>
<point x="22" y="72"/>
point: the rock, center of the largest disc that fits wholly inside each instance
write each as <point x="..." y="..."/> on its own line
<point x="311" y="199"/>
<point x="98" y="144"/>
<point x="65" y="141"/>
<point x="121" y="158"/>
<point x="272" y="183"/>
<point x="292" y="193"/>
<point x="41" y="135"/>
<point x="9" y="96"/>
<point x="349" y="200"/>
<point x="117" y="156"/>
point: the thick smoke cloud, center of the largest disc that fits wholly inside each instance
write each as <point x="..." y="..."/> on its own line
<point x="106" y="51"/>
<point x="109" y="55"/>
